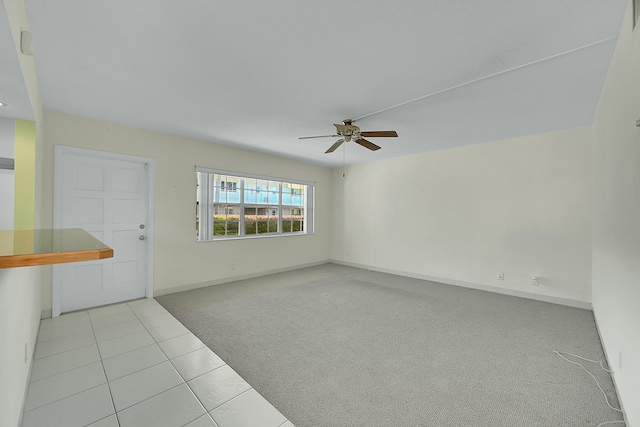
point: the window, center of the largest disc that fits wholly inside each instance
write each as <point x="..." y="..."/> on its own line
<point x="228" y="186"/>
<point x="230" y="205"/>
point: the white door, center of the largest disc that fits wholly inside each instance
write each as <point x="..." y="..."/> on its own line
<point x="109" y="198"/>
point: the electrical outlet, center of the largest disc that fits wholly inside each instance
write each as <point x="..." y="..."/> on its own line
<point x="620" y="361"/>
<point x="534" y="281"/>
<point x="500" y="276"/>
<point x="233" y="266"/>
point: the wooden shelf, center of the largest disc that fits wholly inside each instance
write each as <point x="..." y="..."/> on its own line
<point x="22" y="248"/>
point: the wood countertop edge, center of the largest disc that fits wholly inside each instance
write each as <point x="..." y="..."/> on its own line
<point x="28" y="260"/>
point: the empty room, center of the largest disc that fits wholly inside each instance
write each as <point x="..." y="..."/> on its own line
<point x="281" y="214"/>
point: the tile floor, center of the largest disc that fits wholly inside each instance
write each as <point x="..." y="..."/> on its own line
<point x="134" y="364"/>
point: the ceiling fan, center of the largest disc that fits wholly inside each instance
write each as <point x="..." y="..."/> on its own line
<point x="350" y="132"/>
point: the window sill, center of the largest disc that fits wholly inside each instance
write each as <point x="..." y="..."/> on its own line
<point x="254" y="236"/>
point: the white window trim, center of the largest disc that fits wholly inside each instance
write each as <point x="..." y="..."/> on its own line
<point x="206" y="206"/>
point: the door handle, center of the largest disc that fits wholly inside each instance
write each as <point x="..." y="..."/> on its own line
<point x="142" y="238"/>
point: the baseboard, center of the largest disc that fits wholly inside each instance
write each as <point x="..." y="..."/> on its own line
<point x="513" y="292"/>
<point x="609" y="365"/>
<point x="45" y="314"/>
<point x="173" y="290"/>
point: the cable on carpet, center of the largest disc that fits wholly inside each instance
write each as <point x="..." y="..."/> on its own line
<point x="606" y="399"/>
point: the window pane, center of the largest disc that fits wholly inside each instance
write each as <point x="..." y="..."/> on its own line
<point x="249" y="226"/>
<point x="272" y="218"/>
<point x="286" y="193"/>
<point x="249" y="196"/>
<point x="292" y="220"/>
<point x="286" y="187"/>
<point x="273" y="198"/>
<point x="300" y="220"/>
<point x="233" y="228"/>
<point x="219" y="225"/>
<point x="262" y="197"/>
<point x="262" y="184"/>
<point x="250" y="190"/>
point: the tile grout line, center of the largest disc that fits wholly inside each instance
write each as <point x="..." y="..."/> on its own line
<point x="150" y="397"/>
<point x="66" y="397"/>
<point x="136" y="371"/>
<point x="67" y="370"/>
<point x="56" y="338"/>
<point x="65" y="351"/>
<point x="103" y="370"/>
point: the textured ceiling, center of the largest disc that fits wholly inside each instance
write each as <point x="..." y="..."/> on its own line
<point x="260" y="74"/>
<point x="13" y="91"/>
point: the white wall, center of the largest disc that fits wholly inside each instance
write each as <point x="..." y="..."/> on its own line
<point x="179" y="260"/>
<point x="20" y="288"/>
<point x="7" y="181"/>
<point x="19" y="321"/>
<point x="616" y="223"/>
<point x="519" y="206"/>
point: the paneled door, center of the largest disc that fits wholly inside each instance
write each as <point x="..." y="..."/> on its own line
<point x="109" y="198"/>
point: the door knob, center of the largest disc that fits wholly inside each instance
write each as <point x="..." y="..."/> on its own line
<point x="141" y="237"/>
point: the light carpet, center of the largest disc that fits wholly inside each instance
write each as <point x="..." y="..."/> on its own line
<point x="339" y="346"/>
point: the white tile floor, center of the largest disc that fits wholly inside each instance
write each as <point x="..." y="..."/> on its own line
<point x="134" y="364"/>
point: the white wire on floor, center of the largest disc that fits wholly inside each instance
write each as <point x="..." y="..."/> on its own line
<point x="606" y="399"/>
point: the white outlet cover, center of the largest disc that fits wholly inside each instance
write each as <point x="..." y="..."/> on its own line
<point x="620" y="360"/>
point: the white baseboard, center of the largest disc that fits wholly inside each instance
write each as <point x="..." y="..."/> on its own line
<point x="513" y="292"/>
<point x="172" y="290"/>
<point x="610" y="366"/>
<point x="45" y="314"/>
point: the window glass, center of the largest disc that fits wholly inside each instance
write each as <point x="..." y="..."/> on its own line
<point x="240" y="206"/>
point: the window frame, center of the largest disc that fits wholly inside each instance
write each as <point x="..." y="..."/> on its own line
<point x="204" y="205"/>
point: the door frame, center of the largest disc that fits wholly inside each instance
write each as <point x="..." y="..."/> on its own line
<point x="59" y="152"/>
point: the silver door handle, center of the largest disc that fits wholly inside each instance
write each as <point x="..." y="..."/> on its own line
<point x="141" y="237"/>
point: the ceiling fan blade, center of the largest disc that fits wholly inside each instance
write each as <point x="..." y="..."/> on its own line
<point x="320" y="136"/>
<point x="380" y="134"/>
<point x="367" y="144"/>
<point x="335" y="146"/>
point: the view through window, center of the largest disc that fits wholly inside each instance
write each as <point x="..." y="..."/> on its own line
<point x="234" y="205"/>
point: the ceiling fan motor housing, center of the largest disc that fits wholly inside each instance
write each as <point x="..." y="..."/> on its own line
<point x="348" y="130"/>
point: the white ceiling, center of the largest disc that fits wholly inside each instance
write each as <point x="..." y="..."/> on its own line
<point x="13" y="91"/>
<point x="259" y="74"/>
